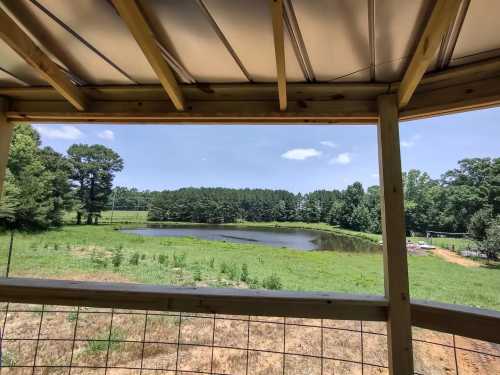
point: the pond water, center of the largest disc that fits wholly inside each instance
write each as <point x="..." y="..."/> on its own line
<point x="299" y="239"/>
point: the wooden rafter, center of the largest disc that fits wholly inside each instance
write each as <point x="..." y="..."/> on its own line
<point x="137" y="24"/>
<point x="443" y="15"/>
<point x="22" y="44"/>
<point x="279" y="49"/>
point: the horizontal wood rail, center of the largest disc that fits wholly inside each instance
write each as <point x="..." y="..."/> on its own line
<point x="194" y="300"/>
<point x="460" y="320"/>
<point x="465" y="321"/>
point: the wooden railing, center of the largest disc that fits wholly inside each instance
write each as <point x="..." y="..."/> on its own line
<point x="459" y="320"/>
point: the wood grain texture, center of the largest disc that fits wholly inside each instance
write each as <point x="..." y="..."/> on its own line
<point x="279" y="50"/>
<point x="136" y="22"/>
<point x="5" y="138"/>
<point x="21" y="43"/>
<point x="194" y="300"/>
<point x="394" y="238"/>
<point x="442" y="16"/>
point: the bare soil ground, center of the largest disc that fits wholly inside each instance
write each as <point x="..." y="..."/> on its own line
<point x="305" y="342"/>
<point x="453" y="257"/>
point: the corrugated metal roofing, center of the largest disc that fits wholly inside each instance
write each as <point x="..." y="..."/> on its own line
<point x="210" y="41"/>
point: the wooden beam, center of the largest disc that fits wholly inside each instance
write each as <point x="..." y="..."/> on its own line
<point x="465" y="321"/>
<point x="136" y="22"/>
<point x="394" y="239"/>
<point x="194" y="300"/>
<point x="21" y="43"/>
<point x="279" y="50"/>
<point x="229" y="112"/>
<point x="443" y="15"/>
<point x="459" y="98"/>
<point x="5" y="138"/>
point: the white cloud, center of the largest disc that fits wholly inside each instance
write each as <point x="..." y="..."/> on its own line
<point x="411" y="142"/>
<point x="108" y="135"/>
<point x="328" y="144"/>
<point x="343" y="158"/>
<point x="375" y="175"/>
<point x="67" y="132"/>
<point x="301" y="153"/>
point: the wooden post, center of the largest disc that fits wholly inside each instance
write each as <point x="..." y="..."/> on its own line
<point x="5" y="137"/>
<point x="394" y="236"/>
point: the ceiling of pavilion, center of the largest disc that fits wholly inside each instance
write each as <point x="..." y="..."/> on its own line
<point x="231" y="41"/>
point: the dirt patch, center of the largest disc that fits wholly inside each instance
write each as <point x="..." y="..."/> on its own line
<point x="101" y="276"/>
<point x="453" y="257"/>
<point x="186" y="342"/>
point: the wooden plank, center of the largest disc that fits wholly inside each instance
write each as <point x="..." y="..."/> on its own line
<point x="213" y="92"/>
<point x="443" y="15"/>
<point x="394" y="239"/>
<point x="136" y="22"/>
<point x="459" y="320"/>
<point x="257" y="112"/>
<point x="459" y="98"/>
<point x="279" y="50"/>
<point x="21" y="43"/>
<point x="194" y="300"/>
<point x="5" y="138"/>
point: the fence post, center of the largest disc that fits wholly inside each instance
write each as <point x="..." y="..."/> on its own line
<point x="5" y="138"/>
<point x="394" y="237"/>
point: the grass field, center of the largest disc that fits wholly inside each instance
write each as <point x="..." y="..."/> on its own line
<point x="88" y="252"/>
<point x="116" y="217"/>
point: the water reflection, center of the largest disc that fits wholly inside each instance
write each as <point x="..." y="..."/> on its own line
<point x="299" y="239"/>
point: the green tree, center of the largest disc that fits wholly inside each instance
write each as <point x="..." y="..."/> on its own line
<point x="93" y="170"/>
<point x="479" y="223"/>
<point x="37" y="188"/>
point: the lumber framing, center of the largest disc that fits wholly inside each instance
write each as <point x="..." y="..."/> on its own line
<point x="5" y="137"/>
<point x="279" y="50"/>
<point x="443" y="15"/>
<point x="133" y="17"/>
<point x="194" y="300"/>
<point x="22" y="44"/>
<point x="396" y="283"/>
<point x="460" y="320"/>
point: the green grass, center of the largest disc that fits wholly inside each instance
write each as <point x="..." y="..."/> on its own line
<point x="118" y="217"/>
<point x="87" y="251"/>
<point x="455" y="244"/>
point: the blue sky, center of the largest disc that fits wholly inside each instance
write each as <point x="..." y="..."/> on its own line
<point x="299" y="158"/>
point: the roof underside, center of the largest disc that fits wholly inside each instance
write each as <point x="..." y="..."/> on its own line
<point x="337" y="54"/>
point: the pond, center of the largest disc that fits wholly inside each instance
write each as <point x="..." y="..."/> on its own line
<point x="299" y="239"/>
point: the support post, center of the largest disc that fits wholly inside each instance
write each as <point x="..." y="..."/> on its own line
<point x="5" y="137"/>
<point x="394" y="237"/>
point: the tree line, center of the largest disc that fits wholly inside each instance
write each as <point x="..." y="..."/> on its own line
<point x="460" y="198"/>
<point x="42" y="184"/>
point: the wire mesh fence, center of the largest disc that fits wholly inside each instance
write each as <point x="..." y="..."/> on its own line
<point x="40" y="339"/>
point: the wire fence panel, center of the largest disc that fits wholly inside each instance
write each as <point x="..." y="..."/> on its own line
<point x="80" y="340"/>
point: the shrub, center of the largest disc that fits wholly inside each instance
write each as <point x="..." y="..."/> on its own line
<point x="244" y="273"/>
<point x="253" y="283"/>
<point x="162" y="259"/>
<point x="179" y="260"/>
<point x="98" y="258"/>
<point x="143" y="256"/>
<point x="117" y="258"/>
<point x="272" y="282"/>
<point x="197" y="272"/>
<point x="233" y="272"/>
<point x="224" y="268"/>
<point x="134" y="259"/>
